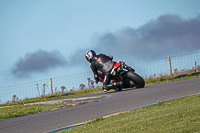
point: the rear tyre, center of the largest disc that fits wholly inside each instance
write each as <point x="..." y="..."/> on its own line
<point x="137" y="79"/>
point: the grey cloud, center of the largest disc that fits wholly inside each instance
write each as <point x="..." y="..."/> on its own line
<point x="38" y="62"/>
<point x="166" y="36"/>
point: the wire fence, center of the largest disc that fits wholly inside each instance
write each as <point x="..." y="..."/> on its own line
<point x="161" y="67"/>
<point x="85" y="80"/>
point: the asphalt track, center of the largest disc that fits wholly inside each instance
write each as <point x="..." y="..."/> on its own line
<point x="110" y="103"/>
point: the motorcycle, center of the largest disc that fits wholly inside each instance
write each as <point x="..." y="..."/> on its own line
<point x="130" y="78"/>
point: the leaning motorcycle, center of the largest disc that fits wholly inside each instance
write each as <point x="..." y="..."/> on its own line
<point x="130" y="78"/>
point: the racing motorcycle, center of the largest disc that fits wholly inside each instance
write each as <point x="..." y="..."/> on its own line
<point x="130" y="78"/>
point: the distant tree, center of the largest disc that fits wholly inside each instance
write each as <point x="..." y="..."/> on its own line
<point x="13" y="98"/>
<point x="38" y="89"/>
<point x="72" y="90"/>
<point x="90" y="83"/>
<point x="44" y="89"/>
<point x="175" y="71"/>
<point x="82" y="86"/>
<point x="62" y="87"/>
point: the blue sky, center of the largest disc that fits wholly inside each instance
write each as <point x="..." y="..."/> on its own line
<point x="49" y="38"/>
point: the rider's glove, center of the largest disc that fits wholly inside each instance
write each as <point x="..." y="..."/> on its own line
<point x="131" y="69"/>
<point x="123" y="64"/>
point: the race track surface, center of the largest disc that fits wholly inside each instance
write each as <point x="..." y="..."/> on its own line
<point x="112" y="102"/>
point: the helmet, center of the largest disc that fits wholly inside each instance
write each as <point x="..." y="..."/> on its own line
<point x="89" y="55"/>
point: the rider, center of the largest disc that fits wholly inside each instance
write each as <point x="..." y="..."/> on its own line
<point x="104" y="64"/>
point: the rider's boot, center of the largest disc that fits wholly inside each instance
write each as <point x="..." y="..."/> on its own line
<point x="107" y="87"/>
<point x="119" y="85"/>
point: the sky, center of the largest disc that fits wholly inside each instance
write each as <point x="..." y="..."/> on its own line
<point x="49" y="38"/>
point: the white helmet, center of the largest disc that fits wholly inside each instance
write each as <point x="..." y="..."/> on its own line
<point x="89" y="55"/>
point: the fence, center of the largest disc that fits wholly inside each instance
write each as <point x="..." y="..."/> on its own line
<point x="44" y="87"/>
<point x="84" y="80"/>
<point x="178" y="64"/>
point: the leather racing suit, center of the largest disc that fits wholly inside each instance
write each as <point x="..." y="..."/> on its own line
<point x="104" y="64"/>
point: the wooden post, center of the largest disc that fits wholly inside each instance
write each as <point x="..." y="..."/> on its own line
<point x="50" y="81"/>
<point x="170" y="67"/>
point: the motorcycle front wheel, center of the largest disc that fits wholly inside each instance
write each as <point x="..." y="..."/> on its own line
<point x="137" y="80"/>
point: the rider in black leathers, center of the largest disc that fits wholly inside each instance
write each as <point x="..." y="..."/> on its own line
<point x="104" y="64"/>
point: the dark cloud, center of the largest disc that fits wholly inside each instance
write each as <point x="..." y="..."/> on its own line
<point x="78" y="58"/>
<point x="167" y="36"/>
<point x="38" y="62"/>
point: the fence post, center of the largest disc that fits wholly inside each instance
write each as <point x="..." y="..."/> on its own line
<point x="170" y="67"/>
<point x="50" y="81"/>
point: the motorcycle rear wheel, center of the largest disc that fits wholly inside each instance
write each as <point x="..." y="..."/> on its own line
<point x="137" y="79"/>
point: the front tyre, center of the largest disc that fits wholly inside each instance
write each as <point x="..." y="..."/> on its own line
<point x="137" y="79"/>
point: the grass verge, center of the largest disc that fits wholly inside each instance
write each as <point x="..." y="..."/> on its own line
<point x="21" y="110"/>
<point x="182" y="115"/>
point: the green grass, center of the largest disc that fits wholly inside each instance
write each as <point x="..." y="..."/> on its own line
<point x="182" y="115"/>
<point x="21" y="110"/>
<point x="166" y="78"/>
